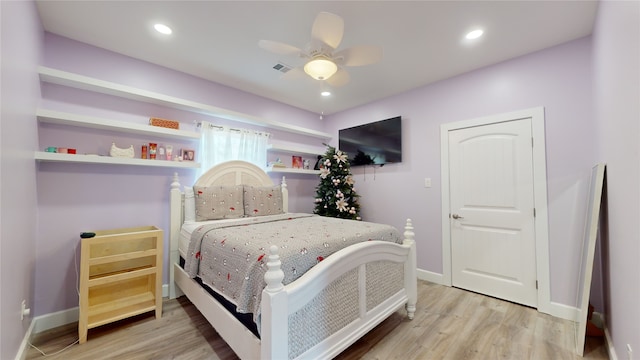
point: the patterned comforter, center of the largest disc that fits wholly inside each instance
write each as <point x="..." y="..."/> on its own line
<point x="232" y="258"/>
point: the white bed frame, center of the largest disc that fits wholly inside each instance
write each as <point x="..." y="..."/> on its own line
<point x="278" y="301"/>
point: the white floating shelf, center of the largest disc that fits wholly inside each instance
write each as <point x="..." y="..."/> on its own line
<point x="60" y="77"/>
<point x="292" y="171"/>
<point x="294" y="149"/>
<point x="62" y="118"/>
<point x="97" y="159"/>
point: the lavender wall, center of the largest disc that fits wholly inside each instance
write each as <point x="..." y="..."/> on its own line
<point x="616" y="57"/>
<point x="78" y="197"/>
<point x="558" y="79"/>
<point x="21" y="51"/>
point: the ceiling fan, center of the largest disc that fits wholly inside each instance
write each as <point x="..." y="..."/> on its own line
<point x="323" y="62"/>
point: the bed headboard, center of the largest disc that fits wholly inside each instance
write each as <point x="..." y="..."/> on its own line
<point x="227" y="173"/>
<point x="235" y="173"/>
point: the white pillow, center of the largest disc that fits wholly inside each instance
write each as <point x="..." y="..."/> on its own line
<point x="189" y="205"/>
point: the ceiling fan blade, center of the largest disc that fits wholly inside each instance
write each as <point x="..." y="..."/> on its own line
<point x="340" y="78"/>
<point x="279" y="48"/>
<point x="359" y="55"/>
<point x="328" y="28"/>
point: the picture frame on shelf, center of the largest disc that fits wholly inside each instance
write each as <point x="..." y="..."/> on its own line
<point x="296" y="162"/>
<point x="188" y="154"/>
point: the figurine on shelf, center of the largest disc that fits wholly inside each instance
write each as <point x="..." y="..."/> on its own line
<point x="317" y="166"/>
<point x="277" y="164"/>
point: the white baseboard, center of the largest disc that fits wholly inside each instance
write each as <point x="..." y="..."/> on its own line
<point x="610" y="349"/>
<point x="22" y="351"/>
<point x="429" y="276"/>
<point x="54" y="320"/>
<point x="598" y="319"/>
<point x="64" y="317"/>
<point x="44" y="323"/>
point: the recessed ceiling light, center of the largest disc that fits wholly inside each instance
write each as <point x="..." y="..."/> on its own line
<point x="163" y="29"/>
<point x="474" y="34"/>
<point x="325" y="93"/>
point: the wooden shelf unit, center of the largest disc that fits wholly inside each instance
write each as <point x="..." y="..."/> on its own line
<point x="120" y="276"/>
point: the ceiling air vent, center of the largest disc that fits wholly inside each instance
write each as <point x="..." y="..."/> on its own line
<point x="282" y="67"/>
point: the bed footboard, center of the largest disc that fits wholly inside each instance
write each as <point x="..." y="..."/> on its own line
<point x="353" y="274"/>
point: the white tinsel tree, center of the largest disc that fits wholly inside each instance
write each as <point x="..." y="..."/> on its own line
<point x="335" y="195"/>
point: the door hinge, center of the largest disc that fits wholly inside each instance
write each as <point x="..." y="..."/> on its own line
<point x="534" y="212"/>
<point x="531" y="141"/>
<point x="536" y="284"/>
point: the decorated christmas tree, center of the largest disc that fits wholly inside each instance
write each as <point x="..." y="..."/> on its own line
<point x="335" y="195"/>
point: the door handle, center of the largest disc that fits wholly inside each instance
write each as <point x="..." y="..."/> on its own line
<point x="457" y="217"/>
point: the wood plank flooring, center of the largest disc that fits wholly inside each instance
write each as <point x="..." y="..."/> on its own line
<point x="449" y="324"/>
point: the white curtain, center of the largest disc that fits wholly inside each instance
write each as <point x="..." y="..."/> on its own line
<point x="221" y="143"/>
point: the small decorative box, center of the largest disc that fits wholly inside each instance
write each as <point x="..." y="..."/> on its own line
<point x="171" y="124"/>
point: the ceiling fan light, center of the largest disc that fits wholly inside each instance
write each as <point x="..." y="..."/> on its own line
<point x="163" y="29"/>
<point x="474" y="34"/>
<point x="320" y="68"/>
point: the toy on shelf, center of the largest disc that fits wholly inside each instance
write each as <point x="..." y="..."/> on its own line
<point x="277" y="164"/>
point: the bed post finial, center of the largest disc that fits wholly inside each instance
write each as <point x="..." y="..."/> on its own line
<point x="175" y="184"/>
<point x="274" y="275"/>
<point x="410" y="269"/>
<point x="408" y="231"/>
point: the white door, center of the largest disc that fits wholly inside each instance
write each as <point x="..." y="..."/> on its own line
<point x="492" y="210"/>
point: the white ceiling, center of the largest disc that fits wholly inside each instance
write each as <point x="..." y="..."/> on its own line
<point x="422" y="41"/>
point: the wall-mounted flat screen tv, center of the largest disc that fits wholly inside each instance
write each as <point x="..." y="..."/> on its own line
<point x="375" y="143"/>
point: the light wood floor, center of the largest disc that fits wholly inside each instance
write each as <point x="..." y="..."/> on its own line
<point x="449" y="324"/>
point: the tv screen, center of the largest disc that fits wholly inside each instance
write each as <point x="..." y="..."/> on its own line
<point x="376" y="143"/>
